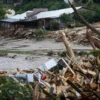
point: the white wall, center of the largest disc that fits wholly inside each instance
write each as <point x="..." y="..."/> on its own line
<point x="67" y="1"/>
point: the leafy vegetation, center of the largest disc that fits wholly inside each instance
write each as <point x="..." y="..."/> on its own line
<point x="96" y="17"/>
<point x="50" y="4"/>
<point x="39" y="33"/>
<point x="66" y="19"/>
<point x="95" y="53"/>
<point x="14" y="51"/>
<point x="92" y="15"/>
<point x="11" y="90"/>
<point x="87" y="15"/>
<point x="54" y="25"/>
<point x="2" y="11"/>
<point x="90" y="3"/>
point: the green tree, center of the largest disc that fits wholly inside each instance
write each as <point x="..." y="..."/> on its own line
<point x="2" y="11"/>
<point x="90" y="3"/>
<point x="87" y="15"/>
<point x="96" y="17"/>
<point x="66" y="18"/>
<point x="54" y="25"/>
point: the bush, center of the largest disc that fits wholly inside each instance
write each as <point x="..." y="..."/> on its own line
<point x="2" y="11"/>
<point x="88" y="16"/>
<point x="11" y="90"/>
<point x="90" y="3"/>
<point x="54" y="25"/>
<point x="78" y="24"/>
<point x="39" y="33"/>
<point x="91" y="16"/>
<point x="66" y="19"/>
<point x="64" y="5"/>
<point x="96" y="17"/>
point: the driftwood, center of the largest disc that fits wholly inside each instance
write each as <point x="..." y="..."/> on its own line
<point x="83" y="20"/>
<point x="95" y="42"/>
<point x="84" y="71"/>
<point x="68" y="46"/>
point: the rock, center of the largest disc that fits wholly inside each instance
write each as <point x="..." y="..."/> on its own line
<point x="50" y="53"/>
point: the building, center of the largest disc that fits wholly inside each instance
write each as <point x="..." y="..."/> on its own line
<point x="21" y="19"/>
<point x="38" y="18"/>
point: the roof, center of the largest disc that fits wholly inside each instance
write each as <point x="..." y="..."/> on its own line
<point x="55" y="13"/>
<point x="16" y="18"/>
<point x="41" y="15"/>
<point x="10" y="20"/>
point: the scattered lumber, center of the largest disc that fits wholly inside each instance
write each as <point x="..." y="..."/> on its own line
<point x="66" y="79"/>
<point x="62" y="80"/>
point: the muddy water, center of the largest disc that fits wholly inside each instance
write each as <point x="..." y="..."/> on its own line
<point x="39" y="56"/>
<point x="22" y="62"/>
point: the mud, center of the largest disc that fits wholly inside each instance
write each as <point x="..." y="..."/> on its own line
<point x="39" y="50"/>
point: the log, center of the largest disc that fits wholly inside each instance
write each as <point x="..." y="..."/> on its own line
<point x="68" y="46"/>
<point x="82" y="19"/>
<point x="86" y="71"/>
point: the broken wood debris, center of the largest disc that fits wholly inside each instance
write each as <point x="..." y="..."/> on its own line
<point x="54" y="83"/>
<point x="67" y="79"/>
<point x="70" y="80"/>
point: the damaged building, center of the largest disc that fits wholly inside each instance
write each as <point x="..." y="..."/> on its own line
<point x="39" y="17"/>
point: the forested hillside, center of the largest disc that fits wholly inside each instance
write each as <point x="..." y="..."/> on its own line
<point x="50" y="4"/>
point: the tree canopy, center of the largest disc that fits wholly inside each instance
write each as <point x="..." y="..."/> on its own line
<point x="2" y="11"/>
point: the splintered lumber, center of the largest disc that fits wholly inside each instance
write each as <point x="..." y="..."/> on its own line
<point x="46" y="93"/>
<point x="82" y="19"/>
<point x="86" y="71"/>
<point x="76" y="88"/>
<point x="36" y="92"/>
<point x="95" y="94"/>
<point x="92" y="91"/>
<point x="68" y="66"/>
<point x="68" y="46"/>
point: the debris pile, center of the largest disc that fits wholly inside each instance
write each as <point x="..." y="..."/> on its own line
<point x="75" y="35"/>
<point x="68" y="79"/>
<point x="17" y="33"/>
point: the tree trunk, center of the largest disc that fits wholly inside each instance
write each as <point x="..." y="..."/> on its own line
<point x="68" y="46"/>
